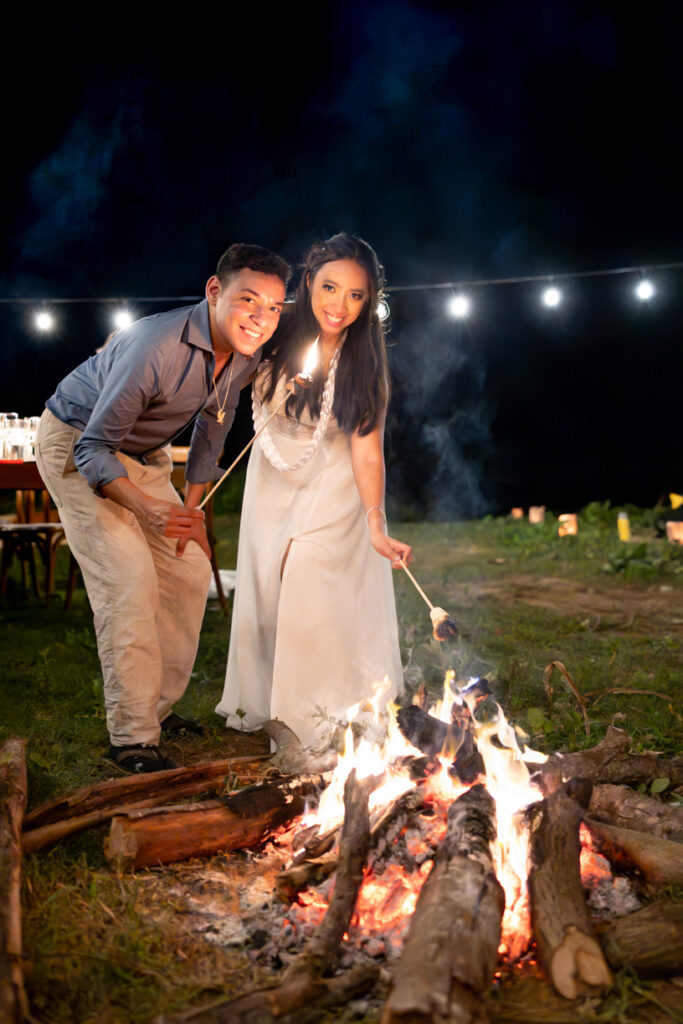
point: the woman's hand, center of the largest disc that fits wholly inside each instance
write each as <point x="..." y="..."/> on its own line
<point x="395" y="550"/>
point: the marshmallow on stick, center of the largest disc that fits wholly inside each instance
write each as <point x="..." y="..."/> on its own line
<point x="443" y="626"/>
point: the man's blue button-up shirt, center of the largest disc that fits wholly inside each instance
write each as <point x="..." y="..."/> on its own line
<point x="149" y="383"/>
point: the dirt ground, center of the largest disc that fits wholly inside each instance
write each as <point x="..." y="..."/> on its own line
<point x="650" y="609"/>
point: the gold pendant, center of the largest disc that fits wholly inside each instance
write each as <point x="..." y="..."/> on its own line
<point x="220" y="417"/>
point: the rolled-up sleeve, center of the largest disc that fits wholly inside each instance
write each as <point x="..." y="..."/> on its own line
<point x="132" y="383"/>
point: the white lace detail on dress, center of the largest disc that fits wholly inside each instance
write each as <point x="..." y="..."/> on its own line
<point x="265" y="440"/>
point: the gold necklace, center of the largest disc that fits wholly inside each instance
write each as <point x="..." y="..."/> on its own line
<point x="220" y="415"/>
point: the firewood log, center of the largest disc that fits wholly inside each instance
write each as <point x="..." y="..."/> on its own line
<point x="623" y="807"/>
<point x="13" y="792"/>
<point x="303" y="983"/>
<point x="567" y="945"/>
<point x="607" y="762"/>
<point x="650" y="941"/>
<point x="452" y="946"/>
<point x="164" y="834"/>
<point x="433" y="737"/>
<point x="660" y="861"/>
<point x="291" y="757"/>
<point x="154" y="789"/>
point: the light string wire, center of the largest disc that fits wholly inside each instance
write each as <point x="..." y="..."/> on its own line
<point x="547" y="278"/>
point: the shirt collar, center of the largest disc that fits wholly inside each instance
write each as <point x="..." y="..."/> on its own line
<point x="199" y="335"/>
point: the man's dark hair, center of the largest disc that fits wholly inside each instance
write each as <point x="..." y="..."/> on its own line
<point x="256" y="258"/>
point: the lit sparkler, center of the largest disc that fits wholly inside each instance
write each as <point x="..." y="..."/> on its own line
<point x="301" y="380"/>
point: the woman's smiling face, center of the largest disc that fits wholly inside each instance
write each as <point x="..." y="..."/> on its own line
<point x="338" y="292"/>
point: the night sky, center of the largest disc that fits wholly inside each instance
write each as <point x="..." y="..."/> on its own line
<point x="463" y="140"/>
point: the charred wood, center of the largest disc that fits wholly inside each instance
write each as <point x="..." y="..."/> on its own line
<point x="623" y="807"/>
<point x="306" y="1006"/>
<point x="608" y="762"/>
<point x="163" y="834"/>
<point x="13" y="792"/>
<point x="143" y="790"/>
<point x="304" y="982"/>
<point x="660" y="861"/>
<point x="452" y="946"/>
<point x="433" y="737"/>
<point x="567" y="945"/>
<point x="650" y="941"/>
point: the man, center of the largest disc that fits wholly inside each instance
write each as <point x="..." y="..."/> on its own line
<point x="102" y="452"/>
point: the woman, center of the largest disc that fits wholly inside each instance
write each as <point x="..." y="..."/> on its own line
<point x="314" y="623"/>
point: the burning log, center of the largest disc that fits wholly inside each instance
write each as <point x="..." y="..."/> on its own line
<point x="318" y="859"/>
<point x="659" y="860"/>
<point x="623" y="807"/>
<point x="566" y="941"/>
<point x="650" y="941"/>
<point x="163" y="834"/>
<point x="452" y="947"/>
<point x="141" y="790"/>
<point x="303" y="983"/>
<point x="455" y="740"/>
<point x="608" y="762"/>
<point x="13" y="789"/>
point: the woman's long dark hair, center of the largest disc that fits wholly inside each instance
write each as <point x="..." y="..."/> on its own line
<point x="362" y="382"/>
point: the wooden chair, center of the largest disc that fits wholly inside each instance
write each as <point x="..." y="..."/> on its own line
<point x="30" y="533"/>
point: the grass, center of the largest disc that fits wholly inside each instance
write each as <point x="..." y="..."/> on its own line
<point x="105" y="948"/>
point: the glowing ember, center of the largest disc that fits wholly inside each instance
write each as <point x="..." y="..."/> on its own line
<point x="386" y="902"/>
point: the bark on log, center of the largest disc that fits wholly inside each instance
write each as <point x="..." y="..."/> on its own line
<point x="624" y="808"/>
<point x="608" y="762"/>
<point x="317" y="994"/>
<point x="303" y="983"/>
<point x="452" y="946"/>
<point x="160" y="835"/>
<point x="567" y="945"/>
<point x="13" y="791"/>
<point x="650" y="941"/>
<point x="142" y="790"/>
<point x="660" y="861"/>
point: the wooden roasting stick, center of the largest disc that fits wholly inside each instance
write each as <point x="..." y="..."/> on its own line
<point x="443" y="626"/>
<point x="304" y="987"/>
<point x="451" y="950"/>
<point x="302" y="381"/>
<point x="567" y="945"/>
<point x="13" y="789"/>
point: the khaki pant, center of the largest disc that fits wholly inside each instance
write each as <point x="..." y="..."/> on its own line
<point x="148" y="605"/>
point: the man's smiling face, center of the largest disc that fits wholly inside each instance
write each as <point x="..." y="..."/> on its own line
<point x="244" y="312"/>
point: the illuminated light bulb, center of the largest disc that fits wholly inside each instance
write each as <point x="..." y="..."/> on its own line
<point x="44" y="321"/>
<point x="383" y="310"/>
<point x="551" y="297"/>
<point x="459" y="307"/>
<point x="644" y="290"/>
<point x="122" y="318"/>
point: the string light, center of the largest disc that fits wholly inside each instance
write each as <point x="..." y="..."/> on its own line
<point x="383" y="310"/>
<point x="551" y="297"/>
<point x="122" y="318"/>
<point x="44" y="321"/>
<point x="644" y="290"/>
<point x="459" y="307"/>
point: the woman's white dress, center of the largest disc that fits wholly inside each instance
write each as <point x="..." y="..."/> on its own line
<point x="306" y="646"/>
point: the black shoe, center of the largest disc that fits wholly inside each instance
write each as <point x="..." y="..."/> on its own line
<point x="141" y="758"/>
<point x="181" y="726"/>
